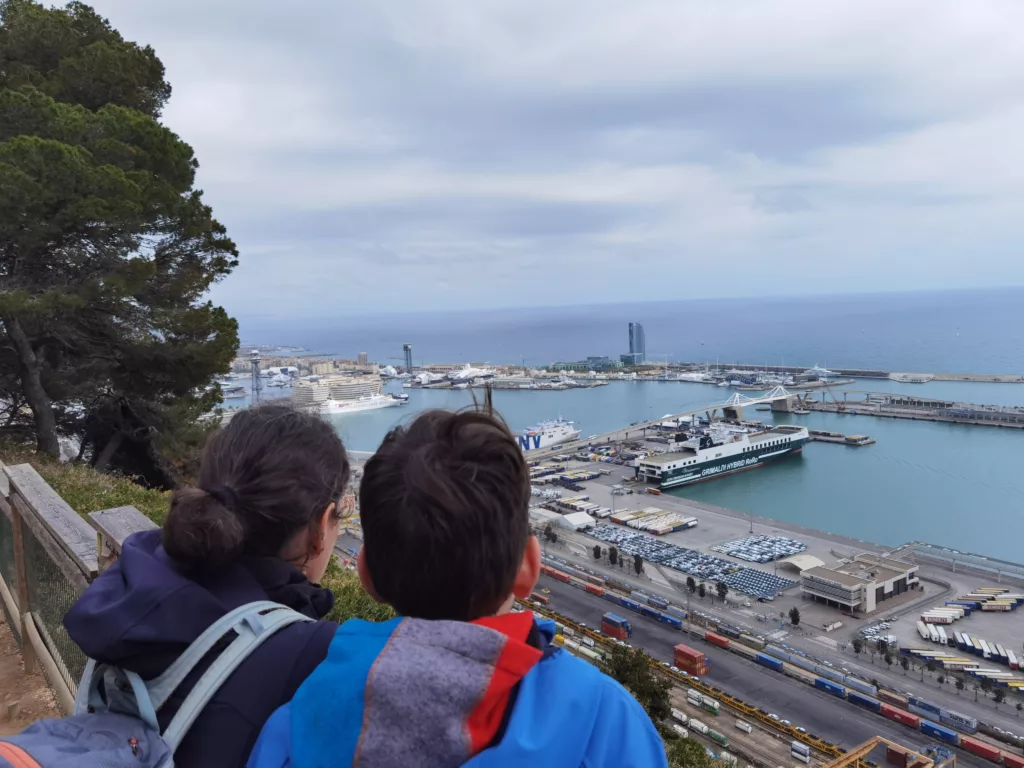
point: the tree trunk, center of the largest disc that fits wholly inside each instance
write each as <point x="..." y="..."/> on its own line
<point x="103" y="457"/>
<point x="32" y="385"/>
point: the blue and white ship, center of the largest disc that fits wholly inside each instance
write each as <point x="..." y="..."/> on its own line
<point x="548" y="433"/>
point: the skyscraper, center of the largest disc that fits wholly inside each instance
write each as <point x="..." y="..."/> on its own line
<point x="637" y="343"/>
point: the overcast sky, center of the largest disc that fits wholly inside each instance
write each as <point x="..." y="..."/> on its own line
<point x="476" y="153"/>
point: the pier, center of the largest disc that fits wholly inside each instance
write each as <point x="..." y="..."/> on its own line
<point x="896" y="406"/>
<point x="822" y="436"/>
<point x="873" y="373"/>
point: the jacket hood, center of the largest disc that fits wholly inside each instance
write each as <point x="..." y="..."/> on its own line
<point x="418" y="692"/>
<point x="143" y="611"/>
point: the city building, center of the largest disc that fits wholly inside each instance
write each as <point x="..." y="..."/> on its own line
<point x="577" y="521"/>
<point x="860" y="585"/>
<point x="363" y="359"/>
<point x="637" y="342"/>
<point x="631" y="359"/>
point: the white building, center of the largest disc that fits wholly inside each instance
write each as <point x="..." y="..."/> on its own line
<point x="860" y="585"/>
<point x="577" y="521"/>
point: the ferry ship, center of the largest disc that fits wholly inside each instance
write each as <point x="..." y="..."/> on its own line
<point x="700" y="457"/>
<point x="332" y="407"/>
<point x="548" y="433"/>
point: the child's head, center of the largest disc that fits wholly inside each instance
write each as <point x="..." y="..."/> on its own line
<point x="270" y="484"/>
<point x="445" y="514"/>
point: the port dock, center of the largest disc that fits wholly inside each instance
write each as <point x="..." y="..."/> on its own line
<point x="893" y="406"/>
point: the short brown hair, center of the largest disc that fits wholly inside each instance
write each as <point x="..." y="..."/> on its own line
<point x="445" y="513"/>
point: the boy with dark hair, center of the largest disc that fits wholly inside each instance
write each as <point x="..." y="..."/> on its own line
<point x="458" y="679"/>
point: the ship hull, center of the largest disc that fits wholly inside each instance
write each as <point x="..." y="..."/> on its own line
<point x="345" y="407"/>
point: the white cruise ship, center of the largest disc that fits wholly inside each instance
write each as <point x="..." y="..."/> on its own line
<point x="364" y="403"/>
<point x="339" y="395"/>
<point x="548" y="433"/>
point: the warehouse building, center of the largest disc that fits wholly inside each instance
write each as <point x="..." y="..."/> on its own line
<point x="860" y="585"/>
<point x="577" y="521"/>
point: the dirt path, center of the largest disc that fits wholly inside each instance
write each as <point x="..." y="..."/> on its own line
<point x="34" y="697"/>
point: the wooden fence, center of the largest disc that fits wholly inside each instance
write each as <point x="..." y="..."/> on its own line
<point x="48" y="555"/>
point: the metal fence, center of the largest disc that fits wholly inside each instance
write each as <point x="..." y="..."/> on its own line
<point x="58" y="553"/>
<point x="9" y="573"/>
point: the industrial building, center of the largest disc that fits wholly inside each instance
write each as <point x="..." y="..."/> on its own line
<point x="859" y="585"/>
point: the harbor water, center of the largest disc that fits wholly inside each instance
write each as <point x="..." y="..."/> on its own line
<point x="955" y="485"/>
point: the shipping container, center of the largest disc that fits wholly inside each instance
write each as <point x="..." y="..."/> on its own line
<point x="752" y="642"/>
<point x="774" y="650"/>
<point x="799" y="746"/>
<point x="650" y="613"/>
<point x="922" y="630"/>
<point x="900" y="716"/>
<point x="860" y="685"/>
<point x="611" y="597"/>
<point x="539" y="598"/>
<point x="1012" y="761"/>
<point x="859" y="699"/>
<point x="685" y="651"/>
<point x="1012" y="659"/>
<point x="933" y="633"/>
<point x="895" y="755"/>
<point x="892" y="697"/>
<point x="932" y="618"/>
<point x="942" y="636"/>
<point x="928" y="728"/>
<point x="1001" y="653"/>
<point x="996" y="606"/>
<point x="959" y="640"/>
<point x="595" y="590"/>
<point x="676" y="611"/>
<point x="658" y="603"/>
<point x="980" y="748"/>
<point x="800" y="757"/>
<point x="721" y="642"/>
<point x="961" y="722"/>
<point x="672" y="621"/>
<point x="829" y="687"/>
<point x="799" y="661"/>
<point x="924" y="705"/>
<point x="744" y="726"/>
<point x="698" y="726"/>
<point x="831" y="674"/>
<point x="769" y="661"/>
<point x="640" y="597"/>
<point x="632" y="605"/>
<point x="986" y="650"/>
<point x="717" y="737"/>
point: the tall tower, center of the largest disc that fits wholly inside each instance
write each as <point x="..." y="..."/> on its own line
<point x="637" y="342"/>
<point x="256" y="385"/>
<point x="407" y="348"/>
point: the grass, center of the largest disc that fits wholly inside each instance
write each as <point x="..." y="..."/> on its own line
<point x="86" y="490"/>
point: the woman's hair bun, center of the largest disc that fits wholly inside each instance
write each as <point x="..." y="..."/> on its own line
<point x="201" y="531"/>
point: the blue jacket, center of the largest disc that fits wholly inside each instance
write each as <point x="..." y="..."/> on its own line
<point x="143" y="611"/>
<point x="439" y="693"/>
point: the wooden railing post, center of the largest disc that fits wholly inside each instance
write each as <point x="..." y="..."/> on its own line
<point x="28" y="653"/>
<point x="113" y="526"/>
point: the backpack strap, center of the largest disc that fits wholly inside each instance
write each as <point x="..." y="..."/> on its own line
<point x="161" y="688"/>
<point x="253" y="627"/>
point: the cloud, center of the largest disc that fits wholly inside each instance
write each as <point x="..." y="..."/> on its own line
<point x="501" y="153"/>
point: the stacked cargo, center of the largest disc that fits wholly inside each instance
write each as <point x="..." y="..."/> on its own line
<point x="800" y="751"/>
<point x="690" y="660"/>
<point x="616" y="627"/>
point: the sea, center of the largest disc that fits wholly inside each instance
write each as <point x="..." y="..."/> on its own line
<point x="954" y="485"/>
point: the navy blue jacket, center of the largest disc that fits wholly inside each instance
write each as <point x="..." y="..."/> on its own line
<point x="143" y="611"/>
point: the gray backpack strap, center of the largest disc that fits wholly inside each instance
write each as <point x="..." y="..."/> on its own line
<point x="161" y="688"/>
<point x="116" y="700"/>
<point x="254" y="627"/>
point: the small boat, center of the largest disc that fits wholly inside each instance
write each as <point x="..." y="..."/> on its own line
<point x="800" y="411"/>
<point x="763" y="408"/>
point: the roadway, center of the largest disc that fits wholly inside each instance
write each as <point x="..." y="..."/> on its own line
<point x="807" y="640"/>
<point x="838" y="722"/>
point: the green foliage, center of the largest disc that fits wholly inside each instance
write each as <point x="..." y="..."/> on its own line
<point x="960" y="685"/>
<point x="794" y="616"/>
<point x="858" y="645"/>
<point x="106" y="248"/>
<point x="999" y="695"/>
<point x="723" y="589"/>
<point x="86" y="490"/>
<point x="351" y="601"/>
<point x="688" y="753"/>
<point x="632" y="668"/>
<point x="905" y="663"/>
<point x="691" y="584"/>
<point x="702" y="590"/>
